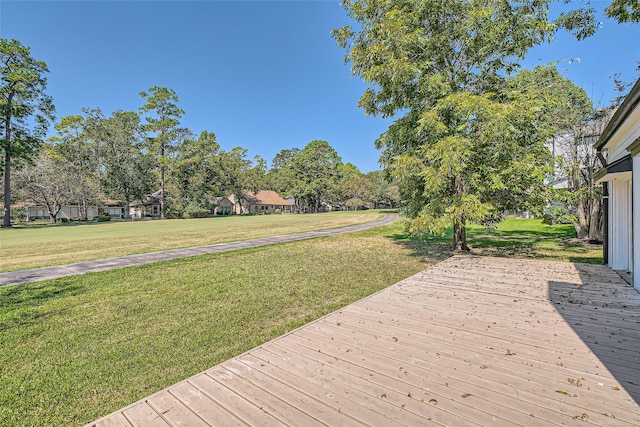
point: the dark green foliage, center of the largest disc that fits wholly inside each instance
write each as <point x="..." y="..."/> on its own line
<point x="25" y="110"/>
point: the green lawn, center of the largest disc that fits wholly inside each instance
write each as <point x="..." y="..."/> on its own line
<point x="523" y="238"/>
<point x="31" y="247"/>
<point x="530" y="238"/>
<point x="77" y="348"/>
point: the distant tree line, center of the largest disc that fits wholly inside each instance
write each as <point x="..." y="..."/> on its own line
<point x="468" y="141"/>
<point x="129" y="154"/>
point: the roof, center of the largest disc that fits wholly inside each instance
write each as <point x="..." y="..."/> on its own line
<point x="265" y="197"/>
<point x="629" y="104"/>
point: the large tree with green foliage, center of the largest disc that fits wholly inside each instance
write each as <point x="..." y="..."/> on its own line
<point x="567" y="112"/>
<point x="466" y="146"/>
<point x="281" y="176"/>
<point x="355" y="189"/>
<point x="196" y="176"/>
<point x="25" y="110"/>
<point x="238" y="174"/>
<point x="127" y="170"/>
<point x="317" y="174"/>
<point x="385" y="193"/>
<point x="162" y="125"/>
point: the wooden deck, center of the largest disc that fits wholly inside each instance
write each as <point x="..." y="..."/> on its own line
<point x="472" y="341"/>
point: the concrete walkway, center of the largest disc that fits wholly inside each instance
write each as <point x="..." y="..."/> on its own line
<point x="55" y="272"/>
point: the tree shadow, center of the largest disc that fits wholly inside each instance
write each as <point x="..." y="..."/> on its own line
<point x="545" y="244"/>
<point x="604" y="311"/>
<point x="435" y="249"/>
<point x="23" y="305"/>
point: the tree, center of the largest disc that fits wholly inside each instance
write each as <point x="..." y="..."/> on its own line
<point x="234" y="173"/>
<point x="624" y="10"/>
<point x="47" y="181"/>
<point x="163" y="126"/>
<point x="566" y="110"/>
<point x="281" y="176"/>
<point x="25" y="110"/>
<point x="317" y="174"/>
<point x="466" y="147"/>
<point x="197" y="175"/>
<point x="385" y="194"/>
<point x="79" y="150"/>
<point x="355" y="189"/>
<point x="127" y="169"/>
<point x="359" y="190"/>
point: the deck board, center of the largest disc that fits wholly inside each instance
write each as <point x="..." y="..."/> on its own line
<point x="470" y="341"/>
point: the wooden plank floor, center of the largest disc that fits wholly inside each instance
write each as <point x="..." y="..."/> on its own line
<point x="472" y="341"/>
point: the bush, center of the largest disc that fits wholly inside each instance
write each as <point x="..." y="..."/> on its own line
<point x="19" y="214"/>
<point x="103" y="218"/>
<point x="194" y="210"/>
<point x="277" y="211"/>
<point x="64" y="220"/>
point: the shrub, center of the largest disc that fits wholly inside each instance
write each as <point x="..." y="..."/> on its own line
<point x="194" y="210"/>
<point x="103" y="218"/>
<point x="277" y="211"/>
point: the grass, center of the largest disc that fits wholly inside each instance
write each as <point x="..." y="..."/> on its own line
<point x="530" y="238"/>
<point x="78" y="348"/>
<point x="523" y="238"/>
<point x="22" y="248"/>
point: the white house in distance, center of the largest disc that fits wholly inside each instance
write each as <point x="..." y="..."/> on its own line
<point x="620" y="141"/>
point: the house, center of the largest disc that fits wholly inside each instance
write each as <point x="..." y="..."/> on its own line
<point x="577" y="147"/>
<point x="266" y="201"/>
<point x="148" y="207"/>
<point x="67" y="211"/>
<point x="113" y="208"/>
<point x="619" y="148"/>
<point x="223" y="206"/>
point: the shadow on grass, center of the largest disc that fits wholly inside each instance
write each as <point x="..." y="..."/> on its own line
<point x="434" y="248"/>
<point x="514" y="238"/>
<point x="22" y="305"/>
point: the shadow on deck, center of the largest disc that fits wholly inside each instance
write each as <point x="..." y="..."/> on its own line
<point x="604" y="311"/>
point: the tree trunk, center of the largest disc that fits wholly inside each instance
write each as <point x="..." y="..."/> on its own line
<point x="460" y="235"/>
<point x="595" y="224"/>
<point x="162" y="192"/>
<point x="6" y="221"/>
<point x="582" y="228"/>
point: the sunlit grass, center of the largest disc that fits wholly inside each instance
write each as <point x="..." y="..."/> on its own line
<point x="22" y="248"/>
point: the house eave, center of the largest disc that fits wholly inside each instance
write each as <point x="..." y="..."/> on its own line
<point x="620" y="169"/>
<point x="627" y="107"/>
<point x="634" y="148"/>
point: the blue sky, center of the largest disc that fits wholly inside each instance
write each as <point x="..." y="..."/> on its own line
<point x="264" y="75"/>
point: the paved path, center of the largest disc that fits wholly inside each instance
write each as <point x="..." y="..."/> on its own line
<point x="55" y="272"/>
